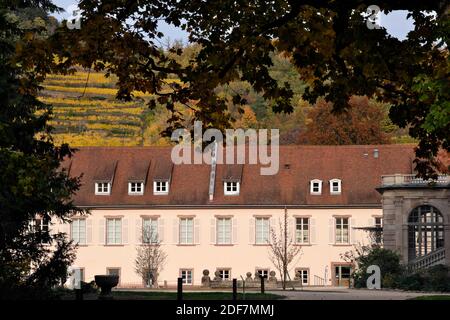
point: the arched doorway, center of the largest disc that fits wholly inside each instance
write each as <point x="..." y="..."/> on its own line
<point x="425" y="231"/>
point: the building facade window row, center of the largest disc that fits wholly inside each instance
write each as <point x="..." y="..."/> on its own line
<point x="150" y="230"/>
<point x="231" y="188"/>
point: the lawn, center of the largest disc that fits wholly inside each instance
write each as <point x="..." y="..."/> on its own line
<point x="146" y="295"/>
<point x="439" y="297"/>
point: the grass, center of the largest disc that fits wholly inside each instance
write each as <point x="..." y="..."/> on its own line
<point x="151" y="295"/>
<point x="437" y="297"/>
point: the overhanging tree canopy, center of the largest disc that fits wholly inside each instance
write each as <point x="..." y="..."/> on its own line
<point x="328" y="41"/>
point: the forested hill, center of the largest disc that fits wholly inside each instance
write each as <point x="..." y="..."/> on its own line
<point x="86" y="113"/>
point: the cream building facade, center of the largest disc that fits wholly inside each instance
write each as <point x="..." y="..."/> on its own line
<point x="328" y="192"/>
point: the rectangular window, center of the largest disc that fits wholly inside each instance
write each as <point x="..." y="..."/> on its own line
<point x="186" y="275"/>
<point x="149" y="230"/>
<point x="378" y="222"/>
<point x="78" y="231"/>
<point x="186" y="230"/>
<point x="225" y="274"/>
<point x="160" y="187"/>
<point x="302" y="230"/>
<point x="335" y="186"/>
<point x="378" y="233"/>
<point x="316" y="187"/>
<point x="263" y="273"/>
<point x="262" y="230"/>
<point x="113" y="272"/>
<point x="102" y="188"/>
<point x="231" y="188"/>
<point x="223" y="230"/>
<point x="303" y="276"/>
<point x="114" y="231"/>
<point x="136" y="188"/>
<point x="41" y="226"/>
<point x="342" y="230"/>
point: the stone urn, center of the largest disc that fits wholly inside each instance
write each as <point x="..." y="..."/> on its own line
<point x="272" y="276"/>
<point x="217" y="276"/>
<point x="106" y="283"/>
<point x="248" y="276"/>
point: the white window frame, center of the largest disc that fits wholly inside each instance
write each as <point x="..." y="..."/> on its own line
<point x="134" y="185"/>
<point x="79" y="228"/>
<point x="375" y="224"/>
<point x="161" y="184"/>
<point x="154" y="223"/>
<point x="339" y="229"/>
<point x="231" y="188"/>
<point x="312" y="184"/>
<point x="222" y="272"/>
<point x="102" y="192"/>
<point x="224" y="233"/>
<point x="184" y="275"/>
<point x="265" y="232"/>
<point x="262" y="271"/>
<point x="302" y="272"/>
<point x="41" y="224"/>
<point x="339" y="186"/>
<point x="300" y="233"/>
<point x="188" y="239"/>
<point x="115" y="242"/>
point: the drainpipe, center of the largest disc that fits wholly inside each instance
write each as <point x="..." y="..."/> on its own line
<point x="212" y="174"/>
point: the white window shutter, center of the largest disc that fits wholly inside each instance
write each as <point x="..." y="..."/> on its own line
<point x="176" y="223"/>
<point x="160" y="229"/>
<point x="272" y="227"/>
<point x="65" y="228"/>
<point x="331" y="227"/>
<point x="196" y="231"/>
<point x="89" y="231"/>
<point x="138" y="230"/>
<point x="312" y="228"/>
<point x="213" y="231"/>
<point x="235" y="230"/>
<point x="124" y="231"/>
<point x="101" y="232"/>
<point x="352" y="231"/>
<point x="251" y="234"/>
<point x="290" y="228"/>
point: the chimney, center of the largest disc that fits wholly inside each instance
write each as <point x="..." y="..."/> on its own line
<point x="212" y="174"/>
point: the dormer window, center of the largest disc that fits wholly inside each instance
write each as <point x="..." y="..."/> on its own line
<point x="135" y="188"/>
<point x="160" y="187"/>
<point x="316" y="186"/>
<point x="335" y="186"/>
<point x="102" y="188"/>
<point x="231" y="188"/>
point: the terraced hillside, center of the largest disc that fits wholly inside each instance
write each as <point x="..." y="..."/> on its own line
<point x="86" y="112"/>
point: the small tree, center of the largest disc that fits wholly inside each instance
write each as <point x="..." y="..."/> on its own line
<point x="150" y="257"/>
<point x="282" y="250"/>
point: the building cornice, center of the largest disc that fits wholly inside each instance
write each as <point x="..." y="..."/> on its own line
<point x="229" y="206"/>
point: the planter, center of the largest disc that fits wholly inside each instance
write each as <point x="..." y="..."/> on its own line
<point x="106" y="283"/>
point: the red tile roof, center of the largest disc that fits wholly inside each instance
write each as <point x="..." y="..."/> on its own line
<point x="356" y="166"/>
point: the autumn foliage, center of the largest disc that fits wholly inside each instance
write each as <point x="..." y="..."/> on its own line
<point x="362" y="123"/>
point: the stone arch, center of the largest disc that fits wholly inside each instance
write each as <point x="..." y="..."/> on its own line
<point x="425" y="230"/>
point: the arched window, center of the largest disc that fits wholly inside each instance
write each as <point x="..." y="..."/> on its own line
<point x="425" y="231"/>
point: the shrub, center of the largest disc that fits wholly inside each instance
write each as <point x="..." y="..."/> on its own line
<point x="387" y="260"/>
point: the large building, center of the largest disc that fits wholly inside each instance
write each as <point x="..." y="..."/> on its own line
<point x="223" y="225"/>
